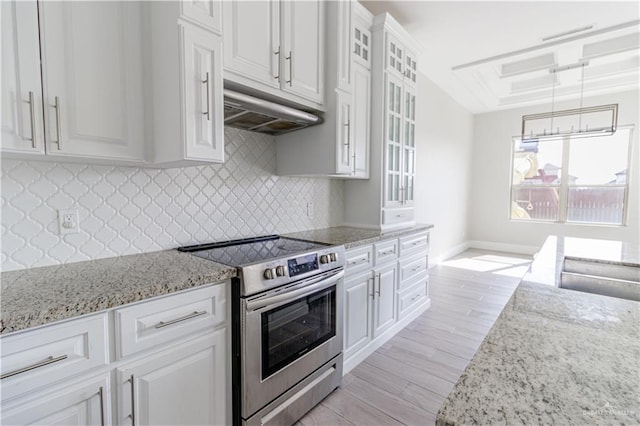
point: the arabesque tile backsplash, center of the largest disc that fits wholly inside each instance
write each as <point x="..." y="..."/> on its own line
<point x="126" y="210"/>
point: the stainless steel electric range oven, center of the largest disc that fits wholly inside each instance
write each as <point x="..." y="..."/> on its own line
<point x="286" y="325"/>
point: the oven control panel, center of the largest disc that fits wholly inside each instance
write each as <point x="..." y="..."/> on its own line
<point x="300" y="265"/>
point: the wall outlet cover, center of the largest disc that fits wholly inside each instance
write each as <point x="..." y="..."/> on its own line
<point x="68" y="221"/>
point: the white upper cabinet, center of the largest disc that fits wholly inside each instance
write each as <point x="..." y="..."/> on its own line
<point x="393" y="129"/>
<point x="91" y="72"/>
<point x="340" y="146"/>
<point x="22" y="124"/>
<point x="92" y="79"/>
<point x="252" y="40"/>
<point x="276" y="47"/>
<point x="303" y="47"/>
<point x="207" y="13"/>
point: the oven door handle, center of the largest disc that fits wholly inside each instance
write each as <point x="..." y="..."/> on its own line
<point x="310" y="287"/>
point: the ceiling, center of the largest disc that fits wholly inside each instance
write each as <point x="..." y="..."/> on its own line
<point x="491" y="55"/>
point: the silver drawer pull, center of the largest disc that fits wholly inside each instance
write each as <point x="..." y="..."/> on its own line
<point x="58" y="131"/>
<point x="208" y="112"/>
<point x="359" y="261"/>
<point x="415" y="297"/>
<point x="386" y="252"/>
<point x="132" y="416"/>
<point x="417" y="243"/>
<point x="186" y="317"/>
<point x="415" y="268"/>
<point x="49" y="360"/>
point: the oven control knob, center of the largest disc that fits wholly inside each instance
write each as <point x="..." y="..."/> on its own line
<point x="280" y="271"/>
<point x="324" y="259"/>
<point x="333" y="257"/>
<point x="269" y="274"/>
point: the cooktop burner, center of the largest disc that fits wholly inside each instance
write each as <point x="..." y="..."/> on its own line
<point x="247" y="251"/>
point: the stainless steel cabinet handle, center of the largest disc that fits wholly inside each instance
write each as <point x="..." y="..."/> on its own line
<point x="132" y="416"/>
<point x="207" y="113"/>
<point x="49" y="360"/>
<point x="415" y="268"/>
<point x="415" y="297"/>
<point x="290" y="59"/>
<point x="186" y="317"/>
<point x="373" y="293"/>
<point x="401" y="192"/>
<point x="32" y="119"/>
<point x="386" y="252"/>
<point x="101" y="393"/>
<point x="58" y="132"/>
<point x="358" y="261"/>
<point x="277" y="53"/>
<point x="354" y="162"/>
<point x="379" y="284"/>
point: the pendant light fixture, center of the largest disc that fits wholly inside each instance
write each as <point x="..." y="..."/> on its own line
<point x="578" y="122"/>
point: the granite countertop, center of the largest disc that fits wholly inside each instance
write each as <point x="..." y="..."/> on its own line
<point x="555" y="356"/>
<point x="38" y="296"/>
<point x="352" y="237"/>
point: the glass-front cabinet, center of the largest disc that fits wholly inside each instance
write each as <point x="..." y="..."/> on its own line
<point x="400" y="145"/>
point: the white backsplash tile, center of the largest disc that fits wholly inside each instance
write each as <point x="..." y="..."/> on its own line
<point x="126" y="210"/>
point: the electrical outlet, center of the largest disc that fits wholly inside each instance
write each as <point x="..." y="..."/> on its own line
<point x="68" y="221"/>
<point x="310" y="209"/>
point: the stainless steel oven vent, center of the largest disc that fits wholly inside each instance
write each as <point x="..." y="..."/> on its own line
<point x="258" y="115"/>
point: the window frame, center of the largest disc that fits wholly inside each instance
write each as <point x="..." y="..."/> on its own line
<point x="564" y="186"/>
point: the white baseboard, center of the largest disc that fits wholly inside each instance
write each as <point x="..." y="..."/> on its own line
<point x="503" y="247"/>
<point x="453" y="251"/>
<point x="375" y="344"/>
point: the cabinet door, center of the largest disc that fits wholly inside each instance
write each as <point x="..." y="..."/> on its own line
<point x="303" y="47"/>
<point x="202" y="94"/>
<point x="21" y="89"/>
<point x="207" y="13"/>
<point x="384" y="311"/>
<point x="361" y="44"/>
<point x="393" y="141"/>
<point x="82" y="403"/>
<point x="252" y="40"/>
<point x="92" y="78"/>
<point x="180" y="386"/>
<point x="408" y="147"/>
<point x="395" y="56"/>
<point x="360" y="123"/>
<point x="343" y="29"/>
<point x="410" y="68"/>
<point x="358" y="294"/>
<point x="344" y="134"/>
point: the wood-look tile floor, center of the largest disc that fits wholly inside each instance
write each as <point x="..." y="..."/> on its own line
<point x="406" y="381"/>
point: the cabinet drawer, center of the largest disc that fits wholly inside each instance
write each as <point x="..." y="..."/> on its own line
<point x="38" y="358"/>
<point x="397" y="216"/>
<point x="411" y="297"/>
<point x="358" y="259"/>
<point x="414" y="242"/>
<point x="168" y="319"/>
<point x="411" y="268"/>
<point x="385" y="251"/>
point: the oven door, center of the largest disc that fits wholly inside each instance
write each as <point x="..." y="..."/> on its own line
<point x="287" y="334"/>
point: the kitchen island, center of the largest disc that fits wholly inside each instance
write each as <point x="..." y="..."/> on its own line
<point x="555" y="356"/>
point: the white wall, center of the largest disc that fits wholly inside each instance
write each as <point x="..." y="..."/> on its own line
<point x="489" y="199"/>
<point x="444" y="135"/>
<point x="126" y="210"/>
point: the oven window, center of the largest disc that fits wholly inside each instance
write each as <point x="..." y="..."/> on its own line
<point x="291" y="330"/>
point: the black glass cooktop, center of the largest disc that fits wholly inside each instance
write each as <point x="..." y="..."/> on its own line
<point x="251" y="250"/>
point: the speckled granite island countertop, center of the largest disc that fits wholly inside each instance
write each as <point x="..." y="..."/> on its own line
<point x="352" y="237"/>
<point x="555" y="356"/>
<point x="39" y="296"/>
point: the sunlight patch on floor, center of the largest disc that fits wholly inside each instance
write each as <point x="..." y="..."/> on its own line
<point x="496" y="264"/>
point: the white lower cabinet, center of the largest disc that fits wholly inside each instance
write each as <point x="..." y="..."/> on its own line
<point x="384" y="312"/>
<point x="385" y="288"/>
<point x="85" y="402"/>
<point x="173" y="372"/>
<point x="358" y="294"/>
<point x="181" y="386"/>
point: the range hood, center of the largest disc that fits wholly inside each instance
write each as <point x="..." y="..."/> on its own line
<point x="258" y="115"/>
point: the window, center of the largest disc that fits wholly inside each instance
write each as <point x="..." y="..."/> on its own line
<point x="571" y="180"/>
